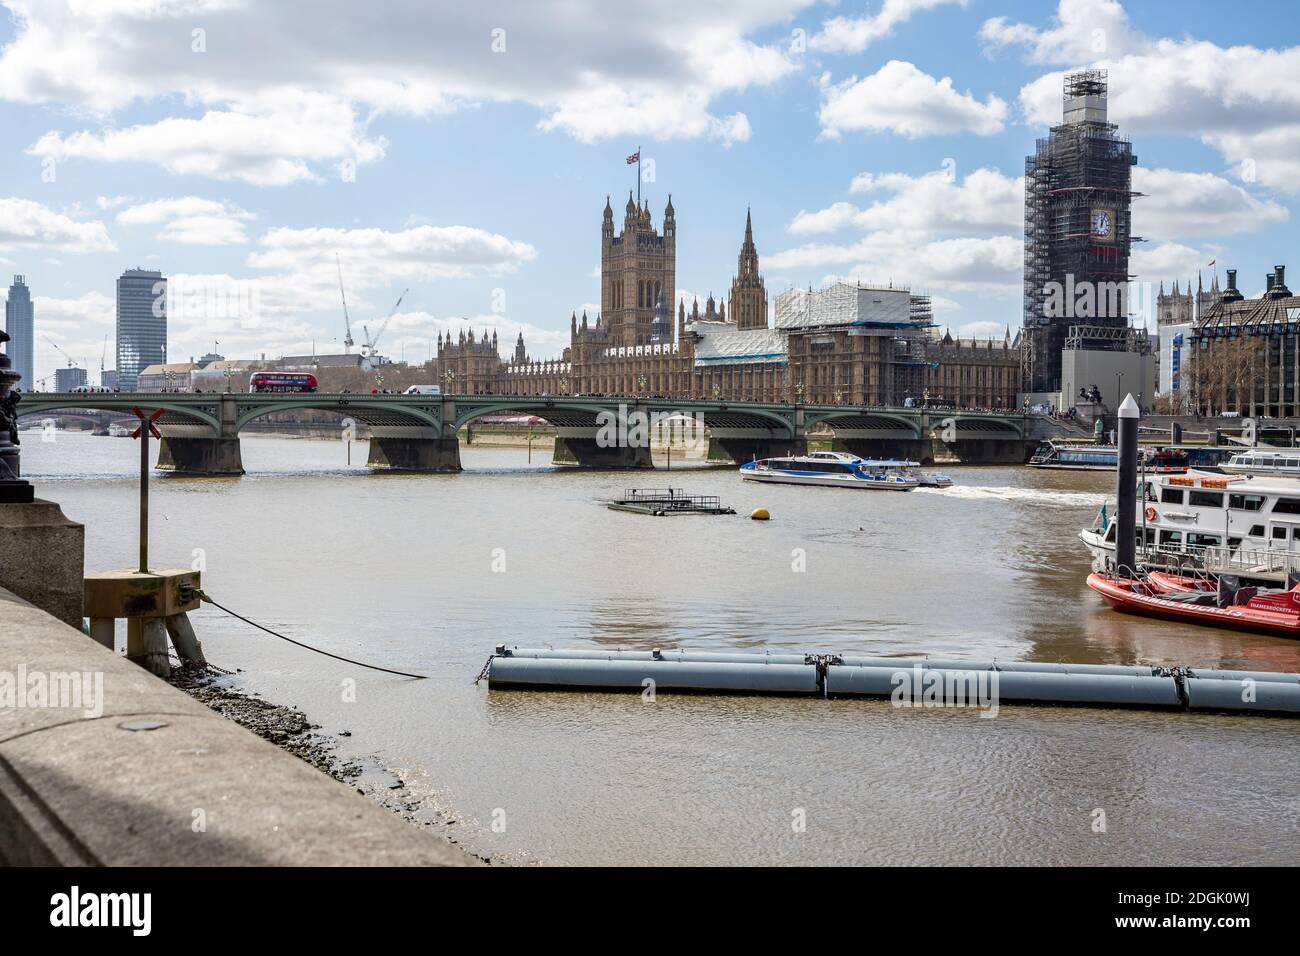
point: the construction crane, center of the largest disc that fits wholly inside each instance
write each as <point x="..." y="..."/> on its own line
<point x="372" y="344"/>
<point x="103" y="354"/>
<point x="71" y="363"/>
<point x="347" y="323"/>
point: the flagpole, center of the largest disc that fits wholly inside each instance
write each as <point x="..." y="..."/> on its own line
<point x="638" y="177"/>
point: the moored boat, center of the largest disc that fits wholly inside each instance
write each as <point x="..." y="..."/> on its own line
<point x="1241" y="609"/>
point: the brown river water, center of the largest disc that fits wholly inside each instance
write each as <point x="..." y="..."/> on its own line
<point x="426" y="573"/>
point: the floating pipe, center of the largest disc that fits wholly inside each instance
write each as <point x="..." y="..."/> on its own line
<point x="1247" y="693"/>
<point x="1119" y="670"/>
<point x="980" y="683"/>
<point x="555" y="672"/>
<point x="968" y="685"/>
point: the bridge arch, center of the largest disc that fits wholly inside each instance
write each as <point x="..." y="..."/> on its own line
<point x="370" y="410"/>
<point x="175" y="410"/>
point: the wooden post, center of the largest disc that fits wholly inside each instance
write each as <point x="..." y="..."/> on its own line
<point x="155" y="647"/>
<point x="102" y="631"/>
<point x="187" y="644"/>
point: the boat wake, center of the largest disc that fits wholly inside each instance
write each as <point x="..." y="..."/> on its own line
<point x="1032" y="496"/>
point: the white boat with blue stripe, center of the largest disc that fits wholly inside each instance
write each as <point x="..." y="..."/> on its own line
<point x="832" y="469"/>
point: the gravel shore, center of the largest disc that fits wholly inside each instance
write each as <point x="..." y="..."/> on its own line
<point x="290" y="729"/>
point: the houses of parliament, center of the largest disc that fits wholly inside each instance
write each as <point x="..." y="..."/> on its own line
<point x="844" y="344"/>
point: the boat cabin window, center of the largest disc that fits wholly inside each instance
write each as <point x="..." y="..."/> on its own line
<point x="1206" y="499"/>
<point x="1246" y="502"/>
<point x="1279" y="533"/>
<point x="1149" y="491"/>
<point x="1198" y="539"/>
<point x="1287" y="506"/>
<point x="1256" y="531"/>
<point x="1171" y="537"/>
<point x="1234" y="543"/>
<point x="1171" y="496"/>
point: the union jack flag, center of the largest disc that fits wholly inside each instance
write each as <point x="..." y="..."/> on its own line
<point x="634" y="158"/>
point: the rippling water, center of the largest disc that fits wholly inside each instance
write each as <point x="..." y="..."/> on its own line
<point x="400" y="570"/>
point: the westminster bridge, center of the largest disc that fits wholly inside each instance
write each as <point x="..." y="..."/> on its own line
<point x="200" y="431"/>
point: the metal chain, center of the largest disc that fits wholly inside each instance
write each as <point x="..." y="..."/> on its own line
<point x="487" y="668"/>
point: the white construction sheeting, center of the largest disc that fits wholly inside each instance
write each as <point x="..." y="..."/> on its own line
<point x="842" y="304"/>
<point x="751" y="346"/>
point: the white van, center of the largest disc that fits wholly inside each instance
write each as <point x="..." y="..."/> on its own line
<point x="424" y="390"/>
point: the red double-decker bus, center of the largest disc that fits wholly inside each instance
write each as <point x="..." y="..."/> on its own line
<point x="281" y="382"/>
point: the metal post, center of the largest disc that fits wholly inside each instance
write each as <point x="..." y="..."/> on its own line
<point x="144" y="498"/>
<point x="1126" y="490"/>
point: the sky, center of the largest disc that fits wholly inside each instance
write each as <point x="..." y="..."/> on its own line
<point x="462" y="154"/>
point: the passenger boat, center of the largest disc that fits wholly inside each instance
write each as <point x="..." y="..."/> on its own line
<point x="1259" y="461"/>
<point x="931" y="479"/>
<point x="1083" y="457"/>
<point x="1276" y="612"/>
<point x="832" y="469"/>
<point x="1256" y="518"/>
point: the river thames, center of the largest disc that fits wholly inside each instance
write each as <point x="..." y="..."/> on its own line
<point x="426" y="573"/>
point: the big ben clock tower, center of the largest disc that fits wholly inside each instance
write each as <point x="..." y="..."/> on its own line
<point x="1078" y="193"/>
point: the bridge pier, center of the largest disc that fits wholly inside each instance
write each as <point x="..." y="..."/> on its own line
<point x="984" y="451"/>
<point x="579" y="446"/>
<point x="412" y="448"/>
<point x="908" y="449"/>
<point x="739" y="449"/>
<point x="195" y="456"/>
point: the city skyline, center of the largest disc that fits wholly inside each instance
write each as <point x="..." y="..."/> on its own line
<point x="780" y="107"/>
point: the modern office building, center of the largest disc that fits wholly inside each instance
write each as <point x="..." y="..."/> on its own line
<point x="19" y="321"/>
<point x="68" y="379"/>
<point x="141" y="324"/>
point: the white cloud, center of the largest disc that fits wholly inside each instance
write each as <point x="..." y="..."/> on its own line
<point x="25" y="224"/>
<point x="988" y="265"/>
<point x="382" y="257"/>
<point x="271" y="141"/>
<point x="855" y="34"/>
<point x="1082" y="31"/>
<point x="985" y="202"/>
<point x="1243" y="101"/>
<point x="1181" y="204"/>
<point x="191" y="220"/>
<point x="1166" y="261"/>
<point x="902" y="99"/>
<point x="78" y="325"/>
<point x="654" y="69"/>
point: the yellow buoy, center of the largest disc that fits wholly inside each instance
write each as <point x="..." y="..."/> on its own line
<point x="760" y="514"/>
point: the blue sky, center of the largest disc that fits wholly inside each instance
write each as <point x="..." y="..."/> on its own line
<point x="238" y="148"/>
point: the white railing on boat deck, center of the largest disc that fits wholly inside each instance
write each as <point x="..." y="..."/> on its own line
<point x="1251" y="561"/>
<point x="1216" y="559"/>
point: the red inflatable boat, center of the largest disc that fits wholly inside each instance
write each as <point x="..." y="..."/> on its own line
<point x="1273" y="613"/>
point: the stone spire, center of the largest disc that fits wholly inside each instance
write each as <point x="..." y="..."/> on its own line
<point x="748" y="293"/>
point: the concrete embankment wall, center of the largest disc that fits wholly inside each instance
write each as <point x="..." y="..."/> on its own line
<point x="158" y="779"/>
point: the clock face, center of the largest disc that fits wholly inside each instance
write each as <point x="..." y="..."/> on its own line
<point x="1103" y="223"/>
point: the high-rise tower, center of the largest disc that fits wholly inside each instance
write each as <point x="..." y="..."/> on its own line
<point x="748" y="294"/>
<point x="1077" y="234"/>
<point x="636" y="266"/>
<point x="19" y="322"/>
<point x="141" y="324"/>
